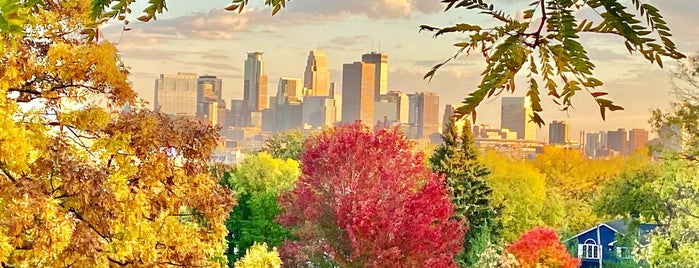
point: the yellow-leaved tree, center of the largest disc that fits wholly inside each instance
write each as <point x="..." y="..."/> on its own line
<point x="258" y="256"/>
<point x="83" y="183"/>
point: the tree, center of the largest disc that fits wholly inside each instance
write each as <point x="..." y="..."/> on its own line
<point x="524" y="208"/>
<point x="285" y="145"/>
<point x="257" y="183"/>
<point x="470" y="192"/>
<point x="511" y="46"/>
<point x="259" y="256"/>
<point x="540" y="247"/>
<point x="89" y="186"/>
<point x="365" y="199"/>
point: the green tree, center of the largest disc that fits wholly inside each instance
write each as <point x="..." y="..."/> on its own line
<point x="285" y="145"/>
<point x="86" y="185"/>
<point x="470" y="192"/>
<point x="257" y="182"/>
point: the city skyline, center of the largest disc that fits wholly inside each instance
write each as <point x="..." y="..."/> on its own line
<point x="209" y="40"/>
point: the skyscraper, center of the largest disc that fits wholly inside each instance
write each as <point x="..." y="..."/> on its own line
<point x="380" y="62"/>
<point x="393" y="107"/>
<point x="176" y="94"/>
<point x="358" y="92"/>
<point x="515" y="115"/>
<point x="289" y="89"/>
<point x="616" y="140"/>
<point x="558" y="132"/>
<point x="317" y="77"/>
<point x="425" y="114"/>
<point x="255" y="83"/>
<point x="210" y="106"/>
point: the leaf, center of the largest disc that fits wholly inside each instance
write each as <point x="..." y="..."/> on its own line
<point x="598" y="94"/>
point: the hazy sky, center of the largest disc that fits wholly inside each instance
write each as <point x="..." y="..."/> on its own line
<point x="199" y="36"/>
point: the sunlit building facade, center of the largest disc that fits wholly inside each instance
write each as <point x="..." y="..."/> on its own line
<point x="358" y="92"/>
<point x="515" y="115"/>
<point x="316" y="78"/>
<point x="176" y="94"/>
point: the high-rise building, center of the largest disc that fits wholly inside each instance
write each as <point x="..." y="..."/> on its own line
<point x="616" y="140"/>
<point x="558" y="132"/>
<point x="358" y="92"/>
<point x="176" y="94"/>
<point x="380" y="62"/>
<point x="637" y="139"/>
<point x="593" y="144"/>
<point x="424" y="114"/>
<point x="515" y="115"/>
<point x="209" y="103"/>
<point x="392" y="107"/>
<point x="255" y="83"/>
<point x="316" y="78"/>
<point x="318" y="112"/>
<point x="289" y="89"/>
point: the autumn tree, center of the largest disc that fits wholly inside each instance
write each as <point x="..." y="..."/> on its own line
<point x="285" y="145"/>
<point x="527" y="206"/>
<point x="257" y="183"/>
<point x="364" y="199"/>
<point x="470" y="192"/>
<point x="258" y="256"/>
<point x="86" y="185"/>
<point x="540" y="247"/>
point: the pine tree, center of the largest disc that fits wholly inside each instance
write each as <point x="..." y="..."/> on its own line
<point x="465" y="178"/>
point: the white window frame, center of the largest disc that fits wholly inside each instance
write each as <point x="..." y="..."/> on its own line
<point x="589" y="250"/>
<point x="620" y="252"/>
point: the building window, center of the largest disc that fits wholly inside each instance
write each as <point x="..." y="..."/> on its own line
<point x="589" y="250"/>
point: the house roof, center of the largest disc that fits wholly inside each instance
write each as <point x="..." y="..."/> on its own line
<point x="620" y="226"/>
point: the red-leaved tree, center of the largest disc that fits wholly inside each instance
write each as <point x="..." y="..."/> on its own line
<point x="541" y="246"/>
<point x="366" y="199"/>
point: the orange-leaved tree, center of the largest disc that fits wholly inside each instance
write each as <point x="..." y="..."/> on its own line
<point x="540" y="247"/>
<point x="366" y="199"/>
<point x="87" y="185"/>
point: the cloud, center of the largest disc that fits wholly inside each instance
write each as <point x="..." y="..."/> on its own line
<point x="348" y="41"/>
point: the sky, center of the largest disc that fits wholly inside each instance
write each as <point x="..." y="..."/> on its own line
<point x="201" y="37"/>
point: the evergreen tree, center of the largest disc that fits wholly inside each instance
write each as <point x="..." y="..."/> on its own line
<point x="465" y="177"/>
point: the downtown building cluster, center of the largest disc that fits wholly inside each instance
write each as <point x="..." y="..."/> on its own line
<point x="307" y="103"/>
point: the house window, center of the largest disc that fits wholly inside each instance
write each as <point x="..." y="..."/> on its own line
<point x="589" y="250"/>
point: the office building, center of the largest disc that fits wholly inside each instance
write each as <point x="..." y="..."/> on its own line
<point x="316" y="78"/>
<point x="255" y="83"/>
<point x="515" y="115"/>
<point x="176" y="94"/>
<point x="318" y="112"/>
<point x="558" y="132"/>
<point x="289" y="89"/>
<point x="358" y="92"/>
<point x="424" y="114"/>
<point x="593" y="144"/>
<point x="616" y="141"/>
<point x="209" y="102"/>
<point x="380" y="62"/>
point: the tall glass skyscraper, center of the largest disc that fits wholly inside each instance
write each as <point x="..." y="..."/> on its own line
<point x="380" y="61"/>
<point x="358" y="93"/>
<point x="515" y="115"/>
<point x="176" y="94"/>
<point x="316" y="78"/>
<point x="255" y="83"/>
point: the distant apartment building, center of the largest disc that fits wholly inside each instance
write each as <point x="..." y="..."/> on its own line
<point x="638" y="138"/>
<point x="255" y="83"/>
<point x="593" y="144"/>
<point x="515" y="115"/>
<point x="424" y="114"/>
<point x="316" y="77"/>
<point x="176" y="94"/>
<point x="380" y="62"/>
<point x="558" y="132"/>
<point x="358" y="92"/>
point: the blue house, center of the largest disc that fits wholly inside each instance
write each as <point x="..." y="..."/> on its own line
<point x="598" y="245"/>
